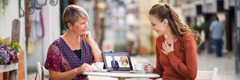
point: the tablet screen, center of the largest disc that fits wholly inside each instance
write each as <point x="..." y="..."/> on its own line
<point x="117" y="61"/>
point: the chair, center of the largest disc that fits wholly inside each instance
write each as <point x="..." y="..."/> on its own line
<point x="207" y="75"/>
<point x="41" y="72"/>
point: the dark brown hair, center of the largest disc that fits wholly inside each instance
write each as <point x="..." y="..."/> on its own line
<point x="179" y="28"/>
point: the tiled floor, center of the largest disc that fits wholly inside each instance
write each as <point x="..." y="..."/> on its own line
<point x="225" y="65"/>
<point x="206" y="62"/>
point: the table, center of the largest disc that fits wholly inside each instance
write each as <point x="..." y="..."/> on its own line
<point x="122" y="76"/>
<point x="11" y="68"/>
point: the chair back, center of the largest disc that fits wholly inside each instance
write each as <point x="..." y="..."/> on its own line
<point x="207" y="75"/>
<point x="40" y="72"/>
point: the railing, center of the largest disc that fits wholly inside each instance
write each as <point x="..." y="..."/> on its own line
<point x="35" y="4"/>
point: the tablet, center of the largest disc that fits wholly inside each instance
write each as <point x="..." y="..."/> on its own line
<point x="117" y="61"/>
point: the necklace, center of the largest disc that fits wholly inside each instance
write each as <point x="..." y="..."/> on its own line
<point x="72" y="45"/>
<point x="68" y="39"/>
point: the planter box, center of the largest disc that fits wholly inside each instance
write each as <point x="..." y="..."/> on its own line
<point x="5" y="68"/>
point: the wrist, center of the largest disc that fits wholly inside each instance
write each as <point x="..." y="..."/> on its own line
<point x="77" y="70"/>
<point x="90" y="42"/>
<point x="169" y="53"/>
<point x="154" y="70"/>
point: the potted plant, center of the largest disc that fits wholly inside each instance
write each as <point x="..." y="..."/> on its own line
<point x="9" y="53"/>
<point x="196" y="28"/>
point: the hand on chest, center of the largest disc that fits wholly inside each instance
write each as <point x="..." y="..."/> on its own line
<point x="165" y="58"/>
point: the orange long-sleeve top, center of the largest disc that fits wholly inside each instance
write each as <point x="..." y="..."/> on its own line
<point x="177" y="65"/>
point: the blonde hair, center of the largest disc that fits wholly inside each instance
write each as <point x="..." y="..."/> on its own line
<point x="72" y="13"/>
<point x="179" y="28"/>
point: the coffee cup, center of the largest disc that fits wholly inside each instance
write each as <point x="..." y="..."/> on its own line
<point x="98" y="65"/>
<point x="138" y="67"/>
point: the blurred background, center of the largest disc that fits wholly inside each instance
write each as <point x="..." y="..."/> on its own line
<point x="123" y="26"/>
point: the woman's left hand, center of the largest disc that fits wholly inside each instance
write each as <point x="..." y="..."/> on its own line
<point x="87" y="37"/>
<point x="166" y="48"/>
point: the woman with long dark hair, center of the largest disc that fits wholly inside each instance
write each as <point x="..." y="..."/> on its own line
<point x="176" y="45"/>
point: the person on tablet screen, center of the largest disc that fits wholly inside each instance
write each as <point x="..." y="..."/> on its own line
<point x="124" y="61"/>
<point x="114" y="64"/>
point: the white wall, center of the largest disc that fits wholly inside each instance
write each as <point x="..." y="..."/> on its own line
<point x="6" y="23"/>
<point x="209" y="6"/>
<point x="52" y="26"/>
<point x="180" y="13"/>
<point x="51" y="16"/>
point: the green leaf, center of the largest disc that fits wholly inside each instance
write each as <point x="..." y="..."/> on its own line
<point x="0" y="40"/>
<point x="203" y="26"/>
<point x="2" y="60"/>
<point x="4" y="5"/>
<point x="197" y="28"/>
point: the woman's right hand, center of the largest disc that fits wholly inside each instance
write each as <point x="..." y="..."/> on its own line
<point x="148" y="68"/>
<point x="85" y="68"/>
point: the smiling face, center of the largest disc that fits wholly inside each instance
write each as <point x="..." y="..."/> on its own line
<point x="79" y="27"/>
<point x="157" y="25"/>
<point x="75" y="18"/>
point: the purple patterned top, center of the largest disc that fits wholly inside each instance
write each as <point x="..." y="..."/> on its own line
<point x="61" y="58"/>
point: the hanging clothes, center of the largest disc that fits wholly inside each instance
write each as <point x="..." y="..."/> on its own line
<point x="30" y="47"/>
<point x="36" y="29"/>
<point x="42" y="23"/>
<point x="38" y="24"/>
<point x="27" y="19"/>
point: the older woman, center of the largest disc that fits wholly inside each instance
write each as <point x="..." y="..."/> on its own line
<point x="71" y="54"/>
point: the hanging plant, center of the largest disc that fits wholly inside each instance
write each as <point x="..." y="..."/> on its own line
<point x="4" y="5"/>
